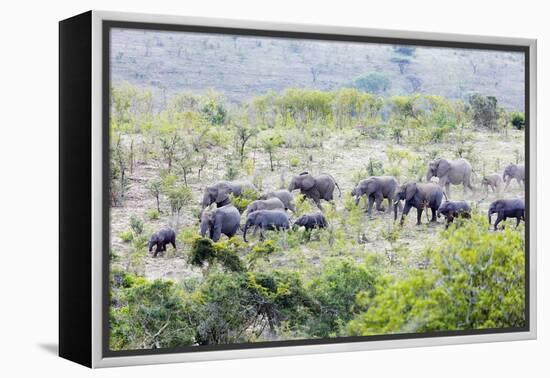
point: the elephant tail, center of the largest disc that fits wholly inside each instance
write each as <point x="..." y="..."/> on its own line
<point x="335" y="183"/>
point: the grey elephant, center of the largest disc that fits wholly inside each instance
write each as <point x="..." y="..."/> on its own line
<point x="513" y="171"/>
<point x="219" y="192"/>
<point x="315" y="187"/>
<point x="453" y="209"/>
<point x="284" y="195"/>
<point x="419" y="196"/>
<point x="376" y="188"/>
<point x="311" y="221"/>
<point x="266" y="220"/>
<point x="223" y="220"/>
<point x="456" y="172"/>
<point x="161" y="239"/>
<point x="267" y="204"/>
<point x="507" y="208"/>
<point x="493" y="181"/>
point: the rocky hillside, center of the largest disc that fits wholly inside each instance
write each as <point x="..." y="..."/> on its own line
<point x="240" y="67"/>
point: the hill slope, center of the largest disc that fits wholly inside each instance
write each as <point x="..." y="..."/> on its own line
<point x="239" y="67"/>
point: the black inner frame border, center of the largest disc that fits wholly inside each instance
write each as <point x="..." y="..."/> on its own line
<point x="107" y="25"/>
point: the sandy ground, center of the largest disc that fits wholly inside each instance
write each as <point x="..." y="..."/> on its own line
<point x="341" y="155"/>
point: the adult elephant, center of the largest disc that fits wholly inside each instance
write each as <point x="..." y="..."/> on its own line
<point x="419" y="195"/>
<point x="315" y="187"/>
<point x="513" y="171"/>
<point x="449" y="172"/>
<point x="223" y="220"/>
<point x="376" y="188"/>
<point x="507" y="208"/>
<point x="266" y="220"/>
<point x="219" y="192"/>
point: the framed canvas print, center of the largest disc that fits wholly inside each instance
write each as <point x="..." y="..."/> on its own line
<point x="235" y="189"/>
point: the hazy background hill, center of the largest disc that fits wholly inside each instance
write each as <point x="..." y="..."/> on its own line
<point x="240" y="67"/>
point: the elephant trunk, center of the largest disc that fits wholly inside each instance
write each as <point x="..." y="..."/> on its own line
<point x="489" y="213"/>
<point x="429" y="175"/>
<point x="395" y="210"/>
<point x="247" y="224"/>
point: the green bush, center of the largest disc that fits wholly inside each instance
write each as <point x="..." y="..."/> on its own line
<point x="150" y="315"/>
<point x="126" y="236"/>
<point x="205" y="252"/>
<point x="334" y="292"/>
<point x="518" y="120"/>
<point x="476" y="280"/>
<point x="153" y="214"/>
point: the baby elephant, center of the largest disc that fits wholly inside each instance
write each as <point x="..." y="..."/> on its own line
<point x="223" y="220"/>
<point x="161" y="239"/>
<point x="507" y="208"/>
<point x="453" y="209"/>
<point x="493" y="181"/>
<point x="266" y="220"/>
<point x="311" y="221"/>
<point x="267" y="204"/>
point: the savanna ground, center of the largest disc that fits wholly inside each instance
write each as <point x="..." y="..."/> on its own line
<point x="360" y="276"/>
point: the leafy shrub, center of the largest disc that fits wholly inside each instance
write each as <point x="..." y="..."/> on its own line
<point x="373" y="82"/>
<point x="178" y="197"/>
<point x="205" y="251"/>
<point x="126" y="236"/>
<point x="242" y="202"/>
<point x="153" y="214"/>
<point x="136" y="225"/>
<point x="518" y="120"/>
<point x="334" y="292"/>
<point x="476" y="281"/>
<point x="150" y="315"/>
<point x="483" y="110"/>
<point x="294" y="161"/>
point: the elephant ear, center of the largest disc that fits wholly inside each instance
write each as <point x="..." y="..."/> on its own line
<point x="442" y="167"/>
<point x="223" y="193"/>
<point x="308" y="182"/>
<point x="410" y="191"/>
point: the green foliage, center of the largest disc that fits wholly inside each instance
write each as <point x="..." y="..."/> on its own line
<point x="126" y="236"/>
<point x="205" y="252"/>
<point x="518" y="120"/>
<point x="476" y="281"/>
<point x="334" y="291"/>
<point x="152" y="214"/>
<point x="241" y="202"/>
<point x="178" y="197"/>
<point x="373" y="82"/>
<point x="213" y="109"/>
<point x="136" y="225"/>
<point x="483" y="110"/>
<point x="149" y="315"/>
<point x="375" y="167"/>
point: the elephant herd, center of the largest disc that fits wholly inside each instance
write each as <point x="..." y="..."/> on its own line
<point x="269" y="212"/>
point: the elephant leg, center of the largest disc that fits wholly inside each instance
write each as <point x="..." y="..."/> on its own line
<point x="518" y="219"/>
<point x="434" y="217"/>
<point x="419" y="215"/>
<point x="156" y="251"/>
<point x="369" y="208"/>
<point x="173" y="242"/>
<point x="379" y="200"/>
<point x="500" y="218"/>
<point x="405" y="212"/>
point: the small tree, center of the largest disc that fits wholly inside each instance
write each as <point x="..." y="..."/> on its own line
<point x="373" y="82"/>
<point x="169" y="145"/>
<point x="155" y="189"/>
<point x="484" y="110"/>
<point x="270" y="145"/>
<point x="243" y="134"/>
<point x="518" y="120"/>
<point x="178" y="197"/>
